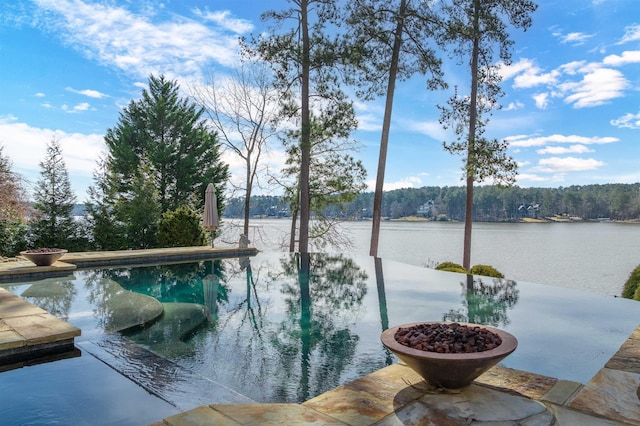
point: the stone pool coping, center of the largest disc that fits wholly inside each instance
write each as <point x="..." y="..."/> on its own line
<point x="20" y="268"/>
<point x="30" y="335"/>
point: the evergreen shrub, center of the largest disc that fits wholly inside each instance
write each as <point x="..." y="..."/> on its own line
<point x="13" y="238"/>
<point x="181" y="228"/>
<point x="486" y="271"/>
<point x="632" y="286"/>
<point x="451" y="267"/>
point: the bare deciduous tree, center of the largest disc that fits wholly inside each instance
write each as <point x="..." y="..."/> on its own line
<point x="243" y="109"/>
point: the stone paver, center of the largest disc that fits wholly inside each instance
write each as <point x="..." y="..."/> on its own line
<point x="274" y="414"/>
<point x="628" y="357"/>
<point x="9" y="339"/>
<point x="13" y="306"/>
<point x="569" y="417"/>
<point x="204" y="415"/>
<point x="561" y="392"/>
<point x="521" y="382"/>
<point x="43" y="328"/>
<point x="27" y="331"/>
<point x="611" y="394"/>
<point x="483" y="405"/>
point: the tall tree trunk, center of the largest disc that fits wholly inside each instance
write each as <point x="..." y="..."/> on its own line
<point x="386" y="124"/>
<point x="473" y="115"/>
<point x="247" y="197"/>
<point x="305" y="139"/>
<point x="292" y="236"/>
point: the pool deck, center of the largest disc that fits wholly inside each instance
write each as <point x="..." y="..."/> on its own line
<point x="394" y="395"/>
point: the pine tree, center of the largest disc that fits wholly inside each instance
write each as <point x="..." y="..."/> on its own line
<point x="54" y="225"/>
<point x="140" y="210"/>
<point x="304" y="58"/>
<point x="107" y="233"/>
<point x="161" y="142"/>
<point x="390" y="41"/>
<point x="335" y="178"/>
<point x="171" y="134"/>
<point x="476" y="29"/>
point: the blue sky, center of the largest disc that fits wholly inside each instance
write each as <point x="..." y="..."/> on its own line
<point x="571" y="110"/>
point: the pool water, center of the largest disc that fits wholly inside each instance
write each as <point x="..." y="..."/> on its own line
<point x="280" y="327"/>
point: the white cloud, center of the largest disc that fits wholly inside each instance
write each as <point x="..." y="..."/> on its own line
<point x="88" y="92"/>
<point x="514" y="106"/>
<point x="530" y="177"/>
<point x="572" y="67"/>
<point x="26" y="147"/>
<point x="84" y="106"/>
<point x="526" y="74"/>
<point x="222" y="18"/>
<point x="595" y="84"/>
<point x="558" y="150"/>
<point x="597" y="87"/>
<point x="135" y="43"/>
<point x="627" y="57"/>
<point x="629" y="121"/>
<point x="526" y="141"/>
<point x="407" y="182"/>
<point x="575" y="38"/>
<point x="369" y="116"/>
<point x="369" y="122"/>
<point x="566" y="164"/>
<point x="632" y="33"/>
<point x="39" y="95"/>
<point x="432" y="129"/>
<point x="508" y="71"/>
<point x="542" y="100"/>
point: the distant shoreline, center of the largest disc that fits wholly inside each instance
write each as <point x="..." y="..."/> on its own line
<point x="557" y="219"/>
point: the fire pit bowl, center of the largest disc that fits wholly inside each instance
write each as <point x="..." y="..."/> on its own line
<point x="449" y="370"/>
<point x="43" y="257"/>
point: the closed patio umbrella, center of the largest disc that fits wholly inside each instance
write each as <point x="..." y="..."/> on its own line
<point x="210" y="222"/>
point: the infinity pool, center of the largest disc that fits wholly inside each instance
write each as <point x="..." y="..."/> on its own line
<point x="263" y="329"/>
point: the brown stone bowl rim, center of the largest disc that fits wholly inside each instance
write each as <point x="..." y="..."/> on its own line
<point x="508" y="345"/>
<point x="63" y="251"/>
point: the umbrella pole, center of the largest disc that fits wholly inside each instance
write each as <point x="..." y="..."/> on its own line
<point x="211" y="232"/>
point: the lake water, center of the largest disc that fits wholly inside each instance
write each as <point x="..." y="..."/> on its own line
<point x="595" y="257"/>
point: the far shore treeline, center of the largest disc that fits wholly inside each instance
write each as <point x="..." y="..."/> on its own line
<point x="490" y="203"/>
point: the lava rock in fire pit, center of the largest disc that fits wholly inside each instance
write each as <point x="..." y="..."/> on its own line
<point x="448" y="338"/>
